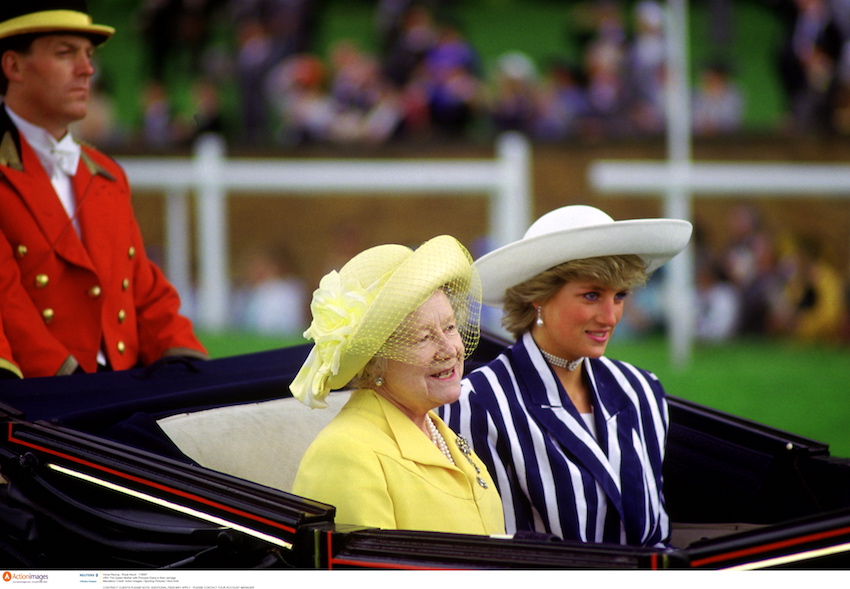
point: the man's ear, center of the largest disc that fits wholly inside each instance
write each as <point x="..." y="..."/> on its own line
<point x="10" y="62"/>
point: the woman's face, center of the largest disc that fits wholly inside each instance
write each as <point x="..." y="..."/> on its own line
<point x="431" y="374"/>
<point x="579" y="319"/>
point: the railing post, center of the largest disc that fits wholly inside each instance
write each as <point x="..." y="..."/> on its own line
<point x="212" y="234"/>
<point x="680" y="276"/>
<point x="177" y="250"/>
<point x="511" y="201"/>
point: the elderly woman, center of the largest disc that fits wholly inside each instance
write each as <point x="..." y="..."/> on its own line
<point x="396" y="325"/>
<point x="574" y="440"/>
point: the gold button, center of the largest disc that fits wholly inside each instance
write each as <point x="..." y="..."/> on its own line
<point x="47" y="314"/>
<point x="21" y="251"/>
<point x="125" y="284"/>
<point x="41" y="280"/>
<point x="122" y="316"/>
<point x="94" y="291"/>
<point x="121" y="347"/>
<point x="131" y="252"/>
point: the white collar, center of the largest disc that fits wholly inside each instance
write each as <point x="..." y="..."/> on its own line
<point x="64" y="154"/>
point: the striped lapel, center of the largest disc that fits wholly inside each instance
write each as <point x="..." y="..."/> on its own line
<point x="543" y="395"/>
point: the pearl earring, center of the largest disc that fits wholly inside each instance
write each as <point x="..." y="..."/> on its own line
<point x="379" y="381"/>
<point x="539" y="318"/>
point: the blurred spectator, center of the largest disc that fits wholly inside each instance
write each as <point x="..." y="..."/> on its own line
<point x="272" y="299"/>
<point x="298" y="90"/>
<point x="158" y="21"/>
<point x="207" y="115"/>
<point x="158" y="130"/>
<point x="388" y="18"/>
<point x="174" y="27"/>
<point x="718" y="105"/>
<point x="718" y="303"/>
<point x="646" y="68"/>
<point x="415" y="37"/>
<point x="813" y="306"/>
<point x="749" y="260"/>
<point x="366" y="107"/>
<point x="452" y="69"/>
<point x="451" y="50"/>
<point x="604" y="61"/>
<point x="561" y="103"/>
<point x="808" y="65"/>
<point x="255" y="57"/>
<point x="513" y="105"/>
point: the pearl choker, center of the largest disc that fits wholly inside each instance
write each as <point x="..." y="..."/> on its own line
<point x="560" y="362"/>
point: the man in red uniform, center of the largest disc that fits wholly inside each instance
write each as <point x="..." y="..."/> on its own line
<point x="77" y="291"/>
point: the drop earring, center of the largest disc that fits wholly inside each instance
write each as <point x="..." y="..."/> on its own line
<point x="379" y="381"/>
<point x="539" y="318"/>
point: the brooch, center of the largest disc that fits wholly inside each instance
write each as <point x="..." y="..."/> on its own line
<point x="464" y="448"/>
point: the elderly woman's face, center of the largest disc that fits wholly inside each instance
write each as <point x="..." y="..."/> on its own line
<point x="431" y="374"/>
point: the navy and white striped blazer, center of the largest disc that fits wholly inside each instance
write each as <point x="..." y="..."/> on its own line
<point x="552" y="474"/>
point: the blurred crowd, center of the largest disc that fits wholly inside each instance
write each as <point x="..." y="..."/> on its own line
<point x="762" y="282"/>
<point x="427" y="79"/>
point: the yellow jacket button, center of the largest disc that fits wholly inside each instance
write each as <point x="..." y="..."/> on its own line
<point x="122" y="316"/>
<point x="131" y="253"/>
<point x="21" y="251"/>
<point x="41" y="280"/>
<point x="121" y="347"/>
<point x="47" y="314"/>
<point x="125" y="284"/>
<point x="94" y="291"/>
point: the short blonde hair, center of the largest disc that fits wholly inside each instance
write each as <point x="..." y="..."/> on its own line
<point x="625" y="271"/>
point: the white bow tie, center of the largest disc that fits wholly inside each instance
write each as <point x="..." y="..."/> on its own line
<point x="66" y="160"/>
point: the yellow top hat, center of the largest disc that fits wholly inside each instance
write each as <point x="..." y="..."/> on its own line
<point x="49" y="16"/>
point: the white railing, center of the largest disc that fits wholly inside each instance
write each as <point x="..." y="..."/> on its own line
<point x="678" y="181"/>
<point x="211" y="176"/>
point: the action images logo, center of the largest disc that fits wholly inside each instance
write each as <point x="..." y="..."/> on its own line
<point x="25" y="577"/>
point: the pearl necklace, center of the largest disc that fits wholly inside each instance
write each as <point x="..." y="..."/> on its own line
<point x="438" y="439"/>
<point x="560" y="362"/>
<point x="462" y="445"/>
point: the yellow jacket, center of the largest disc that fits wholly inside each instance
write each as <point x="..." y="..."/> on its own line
<point x="380" y="470"/>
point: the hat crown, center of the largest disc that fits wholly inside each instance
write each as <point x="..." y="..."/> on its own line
<point x="571" y="217"/>
<point x="374" y="265"/>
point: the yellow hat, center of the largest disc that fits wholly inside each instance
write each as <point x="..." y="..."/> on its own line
<point x="358" y="312"/>
<point x="50" y="16"/>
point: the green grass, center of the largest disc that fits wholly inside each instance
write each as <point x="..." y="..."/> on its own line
<point x="796" y="388"/>
<point x="799" y="389"/>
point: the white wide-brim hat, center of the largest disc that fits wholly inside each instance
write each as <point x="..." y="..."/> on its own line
<point x="577" y="232"/>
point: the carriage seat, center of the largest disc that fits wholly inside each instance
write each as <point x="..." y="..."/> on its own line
<point x="260" y="442"/>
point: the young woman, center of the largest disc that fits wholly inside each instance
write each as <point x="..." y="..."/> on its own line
<point x="574" y="440"/>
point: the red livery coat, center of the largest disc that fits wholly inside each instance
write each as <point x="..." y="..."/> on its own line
<point x="63" y="297"/>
